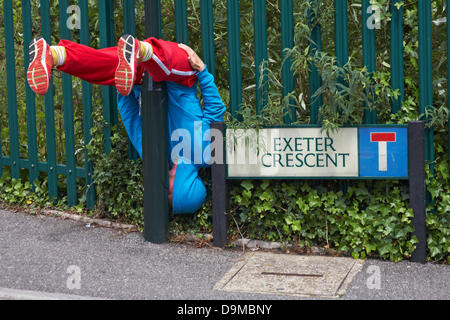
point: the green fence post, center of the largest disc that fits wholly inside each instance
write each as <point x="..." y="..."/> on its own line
<point x="1" y="153"/>
<point x="287" y="42"/>
<point x="11" y="88"/>
<point x="234" y="56"/>
<point x="369" y="54"/>
<point x="448" y="78"/>
<point x="106" y="23"/>
<point x="397" y="64"/>
<point x="112" y="40"/>
<point x="341" y="35"/>
<point x="87" y="107"/>
<point x="260" y="28"/>
<point x="129" y="23"/>
<point x="129" y="17"/>
<point x="206" y="8"/>
<point x="181" y="24"/>
<point x="426" y="73"/>
<point x="315" y="80"/>
<point x="341" y="31"/>
<point x="68" y="113"/>
<point x="29" y="97"/>
<point x="49" y="111"/>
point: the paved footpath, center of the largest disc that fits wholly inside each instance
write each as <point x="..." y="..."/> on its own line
<point x="41" y="257"/>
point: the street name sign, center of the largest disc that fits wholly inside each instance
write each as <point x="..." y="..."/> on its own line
<point x="309" y="152"/>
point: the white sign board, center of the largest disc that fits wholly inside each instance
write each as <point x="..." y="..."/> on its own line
<point x="291" y="152"/>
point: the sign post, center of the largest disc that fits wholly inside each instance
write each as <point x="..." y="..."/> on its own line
<point x="417" y="190"/>
<point x="219" y="193"/>
<point x="155" y="144"/>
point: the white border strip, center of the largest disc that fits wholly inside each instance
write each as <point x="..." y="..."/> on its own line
<point x="183" y="73"/>
<point x="13" y="294"/>
<point x="174" y="71"/>
<point x="160" y="64"/>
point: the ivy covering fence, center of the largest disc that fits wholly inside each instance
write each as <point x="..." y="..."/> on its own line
<point x="328" y="62"/>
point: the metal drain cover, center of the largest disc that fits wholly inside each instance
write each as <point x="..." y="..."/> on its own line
<point x="313" y="276"/>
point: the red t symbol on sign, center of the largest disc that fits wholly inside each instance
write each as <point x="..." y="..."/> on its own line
<point x="382" y="138"/>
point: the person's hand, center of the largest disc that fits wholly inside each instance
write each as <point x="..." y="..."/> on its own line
<point x="194" y="60"/>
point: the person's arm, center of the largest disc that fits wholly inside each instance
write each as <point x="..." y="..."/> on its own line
<point x="131" y="119"/>
<point x="213" y="106"/>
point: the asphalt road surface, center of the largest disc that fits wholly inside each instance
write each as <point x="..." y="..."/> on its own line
<point x="51" y="258"/>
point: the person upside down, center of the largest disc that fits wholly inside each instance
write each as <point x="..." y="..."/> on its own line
<point x="123" y="67"/>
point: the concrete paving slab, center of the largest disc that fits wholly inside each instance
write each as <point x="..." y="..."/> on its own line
<point x="282" y="274"/>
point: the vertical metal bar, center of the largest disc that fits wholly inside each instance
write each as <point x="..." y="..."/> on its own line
<point x="11" y="88"/>
<point x="130" y="28"/>
<point x="106" y="32"/>
<point x="416" y="158"/>
<point x="68" y="113"/>
<point x="315" y="80"/>
<point x="219" y="193"/>
<point x="87" y="107"/>
<point x="129" y="7"/>
<point x="341" y="36"/>
<point x="341" y="31"/>
<point x="30" y="97"/>
<point x="425" y="73"/>
<point x="369" y="54"/>
<point x="287" y="42"/>
<point x="49" y="110"/>
<point x="206" y="8"/>
<point x="260" y="27"/>
<point x="155" y="137"/>
<point x="397" y="64"/>
<point x="1" y="153"/>
<point x="369" y="37"/>
<point x="112" y="42"/>
<point x="1" y="149"/>
<point x="448" y="77"/>
<point x="181" y="24"/>
<point x="1" y="144"/>
<point x="234" y="55"/>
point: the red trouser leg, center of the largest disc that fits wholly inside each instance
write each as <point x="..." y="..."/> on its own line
<point x="169" y="63"/>
<point x="91" y="65"/>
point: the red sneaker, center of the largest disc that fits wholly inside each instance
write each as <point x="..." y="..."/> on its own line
<point x="40" y="68"/>
<point x="128" y="51"/>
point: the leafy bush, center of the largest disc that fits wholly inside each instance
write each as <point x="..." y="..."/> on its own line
<point x="118" y="180"/>
<point x="16" y="192"/>
<point x="369" y="218"/>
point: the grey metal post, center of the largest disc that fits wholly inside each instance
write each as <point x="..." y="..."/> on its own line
<point x="417" y="190"/>
<point x="219" y="195"/>
<point x="155" y="144"/>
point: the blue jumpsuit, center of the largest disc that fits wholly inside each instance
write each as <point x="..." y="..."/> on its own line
<point x="185" y="113"/>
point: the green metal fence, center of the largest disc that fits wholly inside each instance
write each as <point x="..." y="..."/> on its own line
<point x="74" y="174"/>
<point x="69" y="170"/>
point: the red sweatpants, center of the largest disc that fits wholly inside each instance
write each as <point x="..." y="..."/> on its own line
<point x="168" y="63"/>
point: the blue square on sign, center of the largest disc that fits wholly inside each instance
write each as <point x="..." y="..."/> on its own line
<point x="383" y="152"/>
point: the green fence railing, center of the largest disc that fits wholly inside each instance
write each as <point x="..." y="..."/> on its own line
<point x="73" y="174"/>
